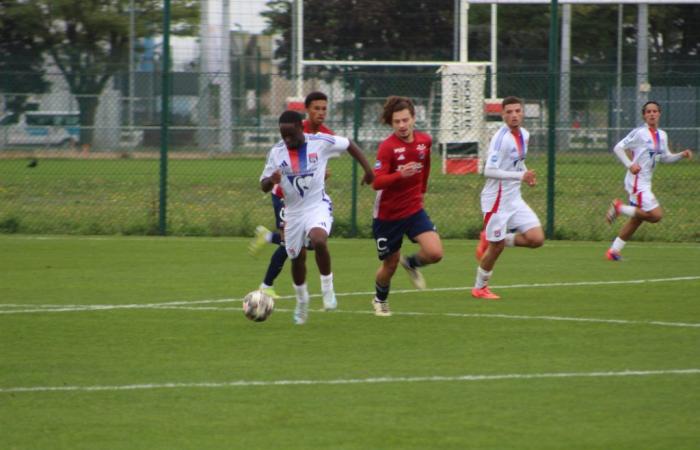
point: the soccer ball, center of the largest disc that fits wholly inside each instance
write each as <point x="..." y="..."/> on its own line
<point x="258" y="306"/>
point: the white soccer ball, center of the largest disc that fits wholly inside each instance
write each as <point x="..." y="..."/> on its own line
<point x="258" y="306"/>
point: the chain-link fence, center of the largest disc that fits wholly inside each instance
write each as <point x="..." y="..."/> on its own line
<point x="91" y="164"/>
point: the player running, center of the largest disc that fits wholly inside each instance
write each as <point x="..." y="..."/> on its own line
<point x="401" y="178"/>
<point x="646" y="144"/>
<point x="316" y="104"/>
<point x="501" y="201"/>
<point x="298" y="164"/>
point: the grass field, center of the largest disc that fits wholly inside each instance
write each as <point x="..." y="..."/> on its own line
<point x="221" y="197"/>
<point x="139" y="343"/>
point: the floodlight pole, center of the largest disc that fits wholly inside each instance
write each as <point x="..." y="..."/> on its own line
<point x="565" y="76"/>
<point x="225" y="104"/>
<point x="299" y="47"/>
<point x="132" y="37"/>
<point x="618" y="81"/>
<point x="494" y="49"/>
<point x="643" y="86"/>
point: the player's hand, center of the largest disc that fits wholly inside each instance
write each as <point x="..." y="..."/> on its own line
<point x="687" y="154"/>
<point x="635" y="168"/>
<point x="410" y="169"/>
<point x="368" y="178"/>
<point x="530" y="177"/>
<point x="276" y="177"/>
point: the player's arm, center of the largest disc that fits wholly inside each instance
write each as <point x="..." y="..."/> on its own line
<point x="493" y="162"/>
<point x="267" y="183"/>
<point x="668" y="157"/>
<point x="356" y="153"/>
<point x="270" y="176"/>
<point x="426" y="170"/>
<point x="620" y="151"/>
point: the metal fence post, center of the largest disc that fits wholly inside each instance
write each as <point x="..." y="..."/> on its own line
<point x="164" y="120"/>
<point x="357" y="117"/>
<point x="551" y="116"/>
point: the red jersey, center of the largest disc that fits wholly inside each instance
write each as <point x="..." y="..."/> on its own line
<point x="277" y="189"/>
<point x="321" y="129"/>
<point x="397" y="197"/>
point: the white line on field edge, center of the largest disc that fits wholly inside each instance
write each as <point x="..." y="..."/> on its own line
<point x="250" y="383"/>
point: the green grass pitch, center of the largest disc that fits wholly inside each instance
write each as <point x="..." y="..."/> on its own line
<point x="140" y="343"/>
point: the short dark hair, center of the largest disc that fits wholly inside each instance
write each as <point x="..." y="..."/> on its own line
<point x="290" y="116"/>
<point x="511" y="100"/>
<point x="651" y="102"/>
<point x="394" y="104"/>
<point x="312" y="97"/>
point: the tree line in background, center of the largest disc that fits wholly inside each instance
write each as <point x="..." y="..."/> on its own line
<point x="88" y="41"/>
<point x="423" y="30"/>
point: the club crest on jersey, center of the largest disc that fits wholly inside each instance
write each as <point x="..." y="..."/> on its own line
<point x="313" y="157"/>
<point x="420" y="147"/>
<point x="497" y="233"/>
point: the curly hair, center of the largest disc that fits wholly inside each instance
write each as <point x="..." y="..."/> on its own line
<point x="394" y="104"/>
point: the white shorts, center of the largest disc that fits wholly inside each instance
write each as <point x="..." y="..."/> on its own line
<point x="296" y="229"/>
<point x="644" y="200"/>
<point x="519" y="217"/>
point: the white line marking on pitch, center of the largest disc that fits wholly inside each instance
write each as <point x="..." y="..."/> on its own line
<point x="77" y="308"/>
<point x="468" y="315"/>
<point x="250" y="383"/>
<point x="173" y="305"/>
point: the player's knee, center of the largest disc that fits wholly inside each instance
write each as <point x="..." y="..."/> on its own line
<point x="434" y="256"/>
<point x="536" y="242"/>
<point x="655" y="218"/>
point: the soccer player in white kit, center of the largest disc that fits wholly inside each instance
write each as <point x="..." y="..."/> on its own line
<point x="646" y="144"/>
<point x="504" y="209"/>
<point x="298" y="164"/>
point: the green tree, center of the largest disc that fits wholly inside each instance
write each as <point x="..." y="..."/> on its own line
<point x="21" y="65"/>
<point x="89" y="39"/>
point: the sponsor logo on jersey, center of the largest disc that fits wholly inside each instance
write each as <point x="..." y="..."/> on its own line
<point x="401" y="157"/>
<point x="400" y="150"/>
<point x="301" y="183"/>
<point x="378" y="165"/>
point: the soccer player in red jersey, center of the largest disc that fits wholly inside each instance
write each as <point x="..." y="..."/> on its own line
<point x="316" y="104"/>
<point x="401" y="178"/>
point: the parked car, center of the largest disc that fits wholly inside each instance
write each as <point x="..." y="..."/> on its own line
<point x="46" y="128"/>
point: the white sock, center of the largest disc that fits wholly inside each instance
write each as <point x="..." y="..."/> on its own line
<point x="618" y="244"/>
<point x="268" y="237"/>
<point x="482" y="277"/>
<point x="264" y="286"/>
<point x="510" y="239"/>
<point x="327" y="283"/>
<point x="302" y="293"/>
<point x="628" y="210"/>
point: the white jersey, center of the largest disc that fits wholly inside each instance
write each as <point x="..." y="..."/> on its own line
<point x="646" y="146"/>
<point x="304" y="170"/>
<point x="506" y="153"/>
